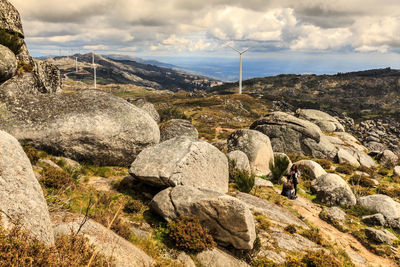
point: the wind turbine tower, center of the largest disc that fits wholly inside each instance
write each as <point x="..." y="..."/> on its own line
<point x="94" y="71"/>
<point x="240" y="67"/>
<point x="76" y="64"/>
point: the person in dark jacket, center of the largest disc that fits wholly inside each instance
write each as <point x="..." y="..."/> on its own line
<point x="287" y="189"/>
<point x="294" y="176"/>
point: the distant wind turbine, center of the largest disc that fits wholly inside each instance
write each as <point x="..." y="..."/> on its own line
<point x="94" y="71"/>
<point x="240" y="66"/>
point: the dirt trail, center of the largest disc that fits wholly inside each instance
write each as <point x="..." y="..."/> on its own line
<point x="346" y="241"/>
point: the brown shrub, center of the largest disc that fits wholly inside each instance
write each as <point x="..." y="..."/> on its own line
<point x="345" y="168"/>
<point x="55" y="178"/>
<point x="24" y="67"/>
<point x="361" y="180"/>
<point x="325" y="163"/>
<point x="32" y="153"/>
<point x="17" y="248"/>
<point x="133" y="206"/>
<point x="291" y="229"/>
<point x="314" y="235"/>
<point x="262" y="262"/>
<point x="188" y="234"/>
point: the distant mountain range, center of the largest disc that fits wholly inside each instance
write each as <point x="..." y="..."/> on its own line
<point x="117" y="69"/>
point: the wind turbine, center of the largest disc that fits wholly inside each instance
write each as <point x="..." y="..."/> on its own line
<point x="240" y="66"/>
<point x="94" y="70"/>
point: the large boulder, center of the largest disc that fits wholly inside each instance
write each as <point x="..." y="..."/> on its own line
<point x="381" y="204"/>
<point x="290" y="134"/>
<point x="310" y="168"/>
<point x="182" y="161"/>
<point x="240" y="160"/>
<point x="49" y="76"/>
<point x="331" y="189"/>
<point x="22" y="197"/>
<point x="380" y="236"/>
<point x="10" y="19"/>
<point x="335" y="216"/>
<point x="8" y="64"/>
<point x="177" y="127"/>
<point x="388" y="159"/>
<point x="325" y="121"/>
<point x="228" y="219"/>
<point x="89" y="125"/>
<point x="218" y="258"/>
<point x="256" y="146"/>
<point x="123" y="252"/>
<point x="343" y="156"/>
<point x="148" y="107"/>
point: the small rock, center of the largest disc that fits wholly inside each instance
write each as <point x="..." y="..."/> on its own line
<point x="396" y="171"/>
<point x="375" y="219"/>
<point x="334" y="216"/>
<point x="345" y="157"/>
<point x="218" y="258"/>
<point x="240" y="159"/>
<point x="260" y="182"/>
<point x="186" y="260"/>
<point x="177" y="127"/>
<point x="49" y="163"/>
<point x="311" y="168"/>
<point x="8" y="64"/>
<point x="388" y="159"/>
<point x="380" y="236"/>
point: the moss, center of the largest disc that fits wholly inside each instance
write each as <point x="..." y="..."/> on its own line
<point x="314" y="235"/>
<point x="263" y="221"/>
<point x="12" y="41"/>
<point x="320" y="258"/>
<point x="263" y="262"/>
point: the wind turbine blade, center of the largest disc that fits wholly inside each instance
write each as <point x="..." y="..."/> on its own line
<point x="234" y="49"/>
<point x="244" y="51"/>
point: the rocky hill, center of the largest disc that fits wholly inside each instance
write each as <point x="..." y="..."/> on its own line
<point x="362" y="95"/>
<point x="125" y="71"/>
<point x="88" y="178"/>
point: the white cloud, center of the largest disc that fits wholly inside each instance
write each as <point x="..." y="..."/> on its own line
<point x="96" y="47"/>
<point x="192" y="25"/>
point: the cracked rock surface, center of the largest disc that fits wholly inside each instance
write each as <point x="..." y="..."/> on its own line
<point x="229" y="220"/>
<point x="182" y="161"/>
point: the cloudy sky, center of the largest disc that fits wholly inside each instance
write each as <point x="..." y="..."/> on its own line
<point x="347" y="29"/>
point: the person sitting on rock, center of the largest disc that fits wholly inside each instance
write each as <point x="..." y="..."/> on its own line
<point x="294" y="175"/>
<point x="287" y="189"/>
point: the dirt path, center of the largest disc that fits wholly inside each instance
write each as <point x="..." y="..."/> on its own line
<point x="346" y="241"/>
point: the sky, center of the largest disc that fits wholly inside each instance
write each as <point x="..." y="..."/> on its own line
<point x="315" y="35"/>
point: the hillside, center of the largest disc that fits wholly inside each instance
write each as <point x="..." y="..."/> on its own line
<point x="362" y="95"/>
<point x="128" y="72"/>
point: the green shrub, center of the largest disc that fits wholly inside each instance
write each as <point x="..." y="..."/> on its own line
<point x="314" y="235"/>
<point x="244" y="180"/>
<point x="55" y="178"/>
<point x="12" y="41"/>
<point x="291" y="229"/>
<point x="320" y="258"/>
<point x="278" y="167"/>
<point x="361" y="180"/>
<point x="32" y="153"/>
<point x="345" y="168"/>
<point x="326" y="164"/>
<point x="292" y="261"/>
<point x="264" y="222"/>
<point x="188" y="234"/>
<point x="171" y="113"/>
<point x="262" y="262"/>
<point x="133" y="206"/>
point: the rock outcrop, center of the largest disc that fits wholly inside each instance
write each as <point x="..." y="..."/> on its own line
<point x="256" y="146"/>
<point x="375" y="219"/>
<point x="289" y="134"/>
<point x="310" y="168"/>
<point x="388" y="159"/>
<point x="382" y="204"/>
<point x="331" y="189"/>
<point x="343" y="156"/>
<point x="90" y="126"/>
<point x="380" y="236"/>
<point x="182" y="161"/>
<point x="324" y="121"/>
<point x="228" y="219"/>
<point x="22" y="199"/>
<point x="240" y="160"/>
<point x="123" y="252"/>
<point x="8" y="64"/>
<point x="148" y="107"/>
<point x="177" y="127"/>
<point x="396" y="171"/>
<point x="44" y="77"/>
<point x="218" y="258"/>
